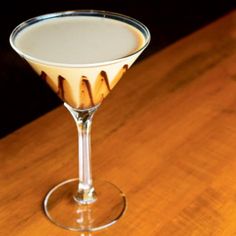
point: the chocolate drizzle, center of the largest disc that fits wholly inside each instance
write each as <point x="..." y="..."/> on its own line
<point x="86" y="96"/>
<point x="101" y="87"/>
<point x="118" y="76"/>
<point x="89" y="96"/>
<point x="105" y="78"/>
<point x="125" y="67"/>
<point x="43" y="76"/>
<point x="60" y="91"/>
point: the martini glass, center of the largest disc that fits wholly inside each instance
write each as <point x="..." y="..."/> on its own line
<point x="81" y="204"/>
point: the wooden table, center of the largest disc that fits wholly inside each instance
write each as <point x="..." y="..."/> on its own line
<point x="166" y="136"/>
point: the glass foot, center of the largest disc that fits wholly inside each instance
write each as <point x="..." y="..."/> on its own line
<point x="64" y="211"/>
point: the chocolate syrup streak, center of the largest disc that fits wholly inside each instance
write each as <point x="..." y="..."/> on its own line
<point x="43" y="76"/>
<point x="88" y="87"/>
<point x="125" y="67"/>
<point x="85" y="84"/>
<point x="104" y="76"/>
<point x="60" y="91"/>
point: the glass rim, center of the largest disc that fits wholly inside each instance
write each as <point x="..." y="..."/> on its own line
<point x="99" y="13"/>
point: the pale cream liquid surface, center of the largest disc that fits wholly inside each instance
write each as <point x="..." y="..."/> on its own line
<point x="64" y="52"/>
<point x="79" y="40"/>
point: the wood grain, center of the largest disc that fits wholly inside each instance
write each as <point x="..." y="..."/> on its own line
<point x="166" y="136"/>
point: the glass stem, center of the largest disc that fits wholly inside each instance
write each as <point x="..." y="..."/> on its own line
<point x="83" y="118"/>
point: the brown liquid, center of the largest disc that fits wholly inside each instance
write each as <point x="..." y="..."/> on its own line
<point x="87" y="97"/>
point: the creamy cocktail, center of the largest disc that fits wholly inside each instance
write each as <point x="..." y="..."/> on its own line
<point x="81" y="55"/>
<point x="65" y="51"/>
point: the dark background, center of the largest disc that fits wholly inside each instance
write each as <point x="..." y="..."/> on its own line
<point x="24" y="96"/>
